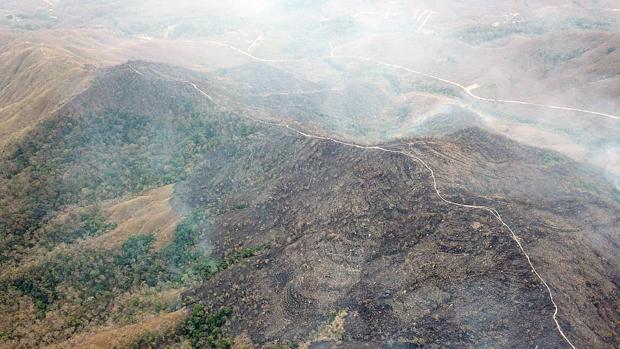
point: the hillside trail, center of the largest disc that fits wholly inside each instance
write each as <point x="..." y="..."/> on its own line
<point x="467" y="90"/>
<point x="411" y="156"/>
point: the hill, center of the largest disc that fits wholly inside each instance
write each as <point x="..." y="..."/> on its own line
<point x="287" y="237"/>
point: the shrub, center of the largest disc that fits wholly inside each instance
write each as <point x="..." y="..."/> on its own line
<point x="205" y="330"/>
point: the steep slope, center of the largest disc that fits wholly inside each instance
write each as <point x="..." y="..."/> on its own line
<point x="571" y="210"/>
<point x="362" y="231"/>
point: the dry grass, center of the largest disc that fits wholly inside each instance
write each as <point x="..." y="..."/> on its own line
<point x="35" y="80"/>
<point x="333" y="331"/>
<point x="41" y="71"/>
<point x="149" y="213"/>
<point x="120" y="337"/>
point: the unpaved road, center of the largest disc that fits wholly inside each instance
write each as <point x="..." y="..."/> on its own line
<point x="466" y="89"/>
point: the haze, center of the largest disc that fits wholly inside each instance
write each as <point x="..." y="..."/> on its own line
<point x="344" y="174"/>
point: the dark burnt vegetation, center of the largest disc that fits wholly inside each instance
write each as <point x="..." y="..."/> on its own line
<point x="371" y="237"/>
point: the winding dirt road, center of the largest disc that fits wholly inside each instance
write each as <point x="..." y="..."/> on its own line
<point x="466" y="89"/>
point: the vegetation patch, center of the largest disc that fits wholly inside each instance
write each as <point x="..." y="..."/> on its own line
<point x="480" y="34"/>
<point x="332" y="331"/>
<point x="240" y="206"/>
<point x="200" y="329"/>
<point x="87" y="285"/>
